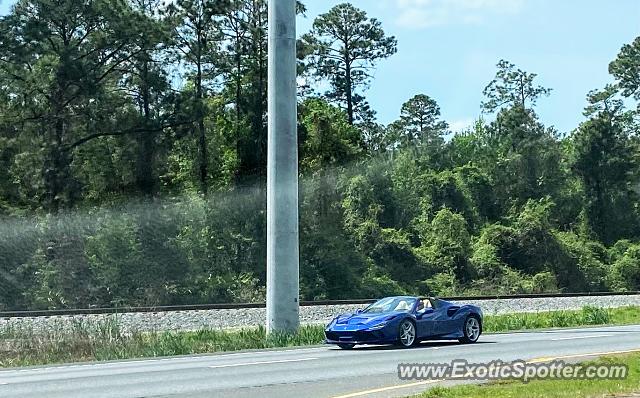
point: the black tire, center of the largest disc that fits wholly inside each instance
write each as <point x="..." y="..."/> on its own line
<point x="471" y="329"/>
<point x="407" y="335"/>
<point x="346" y="346"/>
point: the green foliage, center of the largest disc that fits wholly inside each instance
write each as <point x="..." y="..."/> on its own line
<point x="527" y="159"/>
<point x="442" y="284"/>
<point x="327" y="137"/>
<point x="115" y="259"/>
<point x="419" y="124"/>
<point x="604" y="160"/>
<point x="380" y="286"/>
<point x="625" y="271"/>
<point x="330" y="267"/>
<point x="512" y="87"/>
<point x="133" y="165"/>
<point x="343" y="47"/>
<point x="446" y="245"/>
<point x="485" y="261"/>
<point x="582" y="264"/>
<point x="626" y="69"/>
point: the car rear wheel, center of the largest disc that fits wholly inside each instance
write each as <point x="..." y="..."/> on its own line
<point x="407" y="333"/>
<point x="471" y="330"/>
<point x="346" y="346"/>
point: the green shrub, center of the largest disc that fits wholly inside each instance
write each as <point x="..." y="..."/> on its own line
<point x="443" y="284"/>
<point x="375" y="285"/>
<point x="625" y="272"/>
<point x="595" y="316"/>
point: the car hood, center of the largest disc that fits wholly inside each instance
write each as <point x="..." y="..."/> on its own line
<point x="361" y="319"/>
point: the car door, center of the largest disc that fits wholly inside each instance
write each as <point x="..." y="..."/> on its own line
<point x="440" y="321"/>
<point x="445" y="322"/>
<point x="425" y="323"/>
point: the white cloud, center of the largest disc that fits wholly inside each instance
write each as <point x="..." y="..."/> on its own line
<point x="458" y="126"/>
<point x="419" y="14"/>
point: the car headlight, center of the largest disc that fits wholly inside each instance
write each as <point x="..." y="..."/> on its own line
<point x="378" y="326"/>
<point x="330" y="324"/>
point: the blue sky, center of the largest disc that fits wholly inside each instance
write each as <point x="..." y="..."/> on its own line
<point x="448" y="49"/>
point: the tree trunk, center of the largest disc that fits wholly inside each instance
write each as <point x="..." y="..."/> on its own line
<point x="144" y="175"/>
<point x="523" y="98"/>
<point x="238" y="60"/>
<point x="349" y="93"/>
<point x="202" y="137"/>
<point x="59" y="189"/>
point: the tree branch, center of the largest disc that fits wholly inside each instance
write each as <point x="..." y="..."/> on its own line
<point x="133" y="130"/>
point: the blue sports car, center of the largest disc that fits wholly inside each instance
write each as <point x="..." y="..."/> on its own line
<point x="406" y="320"/>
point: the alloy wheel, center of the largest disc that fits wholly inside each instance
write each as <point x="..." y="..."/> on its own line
<point x="472" y="328"/>
<point x="407" y="333"/>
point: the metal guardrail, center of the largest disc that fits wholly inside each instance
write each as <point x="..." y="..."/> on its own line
<point x="231" y="306"/>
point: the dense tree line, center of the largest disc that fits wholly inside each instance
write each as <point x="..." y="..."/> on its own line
<point x="132" y="166"/>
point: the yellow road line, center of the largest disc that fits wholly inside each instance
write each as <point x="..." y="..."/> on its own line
<point x="390" y="388"/>
<point x="593" y="354"/>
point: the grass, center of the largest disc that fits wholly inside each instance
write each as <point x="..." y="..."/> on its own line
<point x="107" y="340"/>
<point x="562" y="319"/>
<point x="551" y="388"/>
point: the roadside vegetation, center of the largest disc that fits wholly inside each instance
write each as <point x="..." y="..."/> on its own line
<point x="560" y="319"/>
<point x="552" y="388"/>
<point x="107" y="340"/>
<point x="133" y="166"/>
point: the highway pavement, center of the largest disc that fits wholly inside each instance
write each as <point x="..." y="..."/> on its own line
<point x="304" y="372"/>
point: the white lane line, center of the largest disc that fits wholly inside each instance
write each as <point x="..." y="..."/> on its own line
<point x="175" y="360"/>
<point x="233" y="365"/>
<point x="389" y="388"/>
<point x="3" y="384"/>
<point x="591" y="336"/>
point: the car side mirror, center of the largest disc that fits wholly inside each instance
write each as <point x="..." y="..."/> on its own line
<point x="359" y="311"/>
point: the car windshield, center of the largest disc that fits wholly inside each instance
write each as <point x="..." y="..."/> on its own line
<point x="390" y="304"/>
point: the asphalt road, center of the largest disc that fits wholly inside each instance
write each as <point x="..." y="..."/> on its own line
<point x="306" y="372"/>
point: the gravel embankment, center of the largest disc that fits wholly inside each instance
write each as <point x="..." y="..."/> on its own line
<point x="235" y="318"/>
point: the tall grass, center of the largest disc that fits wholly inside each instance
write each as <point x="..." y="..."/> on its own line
<point x="106" y="341"/>
<point x="84" y="341"/>
<point x="555" y="319"/>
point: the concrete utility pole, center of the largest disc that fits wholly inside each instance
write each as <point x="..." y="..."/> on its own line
<point x="282" y="171"/>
